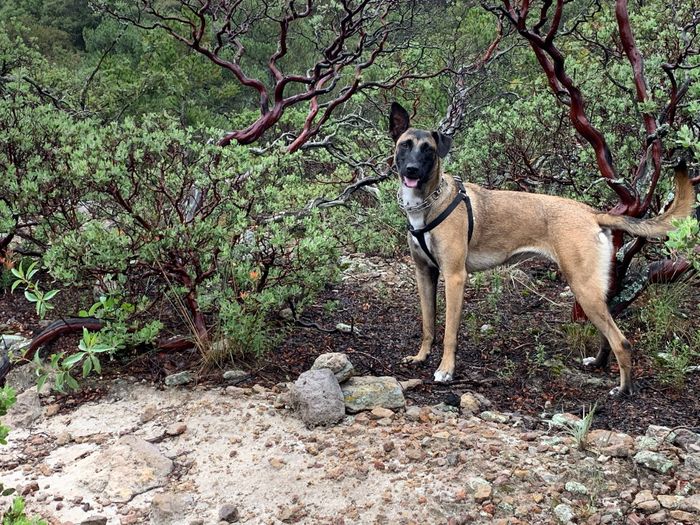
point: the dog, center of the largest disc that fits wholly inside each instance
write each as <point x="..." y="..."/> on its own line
<point x="495" y="227"/>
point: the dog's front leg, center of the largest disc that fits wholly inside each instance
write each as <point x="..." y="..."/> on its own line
<point x="455" y="279"/>
<point x="426" y="279"/>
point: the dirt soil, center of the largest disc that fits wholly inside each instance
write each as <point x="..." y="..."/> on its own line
<point x="517" y="345"/>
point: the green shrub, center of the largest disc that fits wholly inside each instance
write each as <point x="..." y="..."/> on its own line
<point x="16" y="515"/>
<point x="675" y="361"/>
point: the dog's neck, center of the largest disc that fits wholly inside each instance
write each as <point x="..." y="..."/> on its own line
<point x="418" y="201"/>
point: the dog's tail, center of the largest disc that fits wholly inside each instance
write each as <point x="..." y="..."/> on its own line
<point x="660" y="225"/>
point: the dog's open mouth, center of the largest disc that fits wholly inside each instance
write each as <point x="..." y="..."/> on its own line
<point x="410" y="183"/>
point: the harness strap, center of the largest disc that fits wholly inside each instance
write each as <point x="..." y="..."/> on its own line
<point x="419" y="233"/>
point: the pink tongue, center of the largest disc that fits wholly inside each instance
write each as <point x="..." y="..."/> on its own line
<point x="410" y="183"/>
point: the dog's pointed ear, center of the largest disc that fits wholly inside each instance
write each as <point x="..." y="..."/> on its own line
<point x="399" y="121"/>
<point x="443" y="143"/>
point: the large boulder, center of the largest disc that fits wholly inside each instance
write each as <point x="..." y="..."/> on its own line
<point x="368" y="392"/>
<point x="316" y="395"/>
<point x="336" y="362"/>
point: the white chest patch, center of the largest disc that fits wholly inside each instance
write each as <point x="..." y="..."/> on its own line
<point x="410" y="198"/>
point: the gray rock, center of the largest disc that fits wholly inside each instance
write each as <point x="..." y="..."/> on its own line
<point x="658" y="517"/>
<point x="316" y="395"/>
<point x="336" y="362"/>
<point x="564" y="420"/>
<point x="564" y="513"/>
<point x="235" y="375"/>
<point x="21" y="378"/>
<point x="687" y="440"/>
<point x="691" y="504"/>
<point x="661" y="434"/>
<point x="646" y="443"/>
<point x="413" y="413"/>
<point x="575" y="487"/>
<point x="692" y="463"/>
<point x="443" y="408"/>
<point x="469" y="403"/>
<point x="168" y="509"/>
<point x="496" y="417"/>
<point x="95" y="520"/>
<point x="25" y="411"/>
<point x="129" y="467"/>
<point x="654" y="461"/>
<point x="368" y="392"/>
<point x="483" y="400"/>
<point x="482" y="489"/>
<point x="14" y="343"/>
<point x="646" y="502"/>
<point x="181" y="378"/>
<point x="613" y="444"/>
<point x="229" y="513"/>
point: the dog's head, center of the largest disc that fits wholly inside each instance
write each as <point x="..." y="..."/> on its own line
<point x="418" y="152"/>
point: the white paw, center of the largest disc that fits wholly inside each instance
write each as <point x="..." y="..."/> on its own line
<point x="588" y="361"/>
<point x="442" y="377"/>
<point x="618" y="392"/>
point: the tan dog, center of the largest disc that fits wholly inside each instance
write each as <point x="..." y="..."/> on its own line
<point x="504" y="226"/>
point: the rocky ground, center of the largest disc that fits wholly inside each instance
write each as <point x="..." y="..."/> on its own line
<point x="200" y="455"/>
<point x="147" y="444"/>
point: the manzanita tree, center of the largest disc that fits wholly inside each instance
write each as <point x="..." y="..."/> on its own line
<point x="348" y="39"/>
<point x="542" y="24"/>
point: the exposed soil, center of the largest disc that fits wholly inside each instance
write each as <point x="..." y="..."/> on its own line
<point x="526" y="360"/>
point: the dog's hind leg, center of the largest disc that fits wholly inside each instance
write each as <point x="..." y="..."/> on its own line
<point x="602" y="360"/>
<point x="426" y="279"/>
<point x="455" y="280"/>
<point x="591" y="296"/>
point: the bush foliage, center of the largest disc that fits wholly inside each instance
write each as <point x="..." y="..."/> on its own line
<point x="111" y="172"/>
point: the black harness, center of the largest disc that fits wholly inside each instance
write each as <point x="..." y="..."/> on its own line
<point x="419" y="234"/>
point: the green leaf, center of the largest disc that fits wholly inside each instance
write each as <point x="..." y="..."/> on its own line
<point x="15" y="285"/>
<point x="31" y="271"/>
<point x="30" y="296"/>
<point x="60" y="381"/>
<point x="87" y="366"/>
<point x="96" y="363"/>
<point x="72" y="383"/>
<point x="50" y="295"/>
<point x="41" y="381"/>
<point x="68" y="362"/>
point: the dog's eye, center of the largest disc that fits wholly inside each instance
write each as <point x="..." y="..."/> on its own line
<point x="405" y="145"/>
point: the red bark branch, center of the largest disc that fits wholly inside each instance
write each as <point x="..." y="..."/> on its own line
<point x="363" y="30"/>
<point x="552" y="61"/>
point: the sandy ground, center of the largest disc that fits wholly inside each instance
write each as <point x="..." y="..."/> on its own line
<point x="145" y="454"/>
